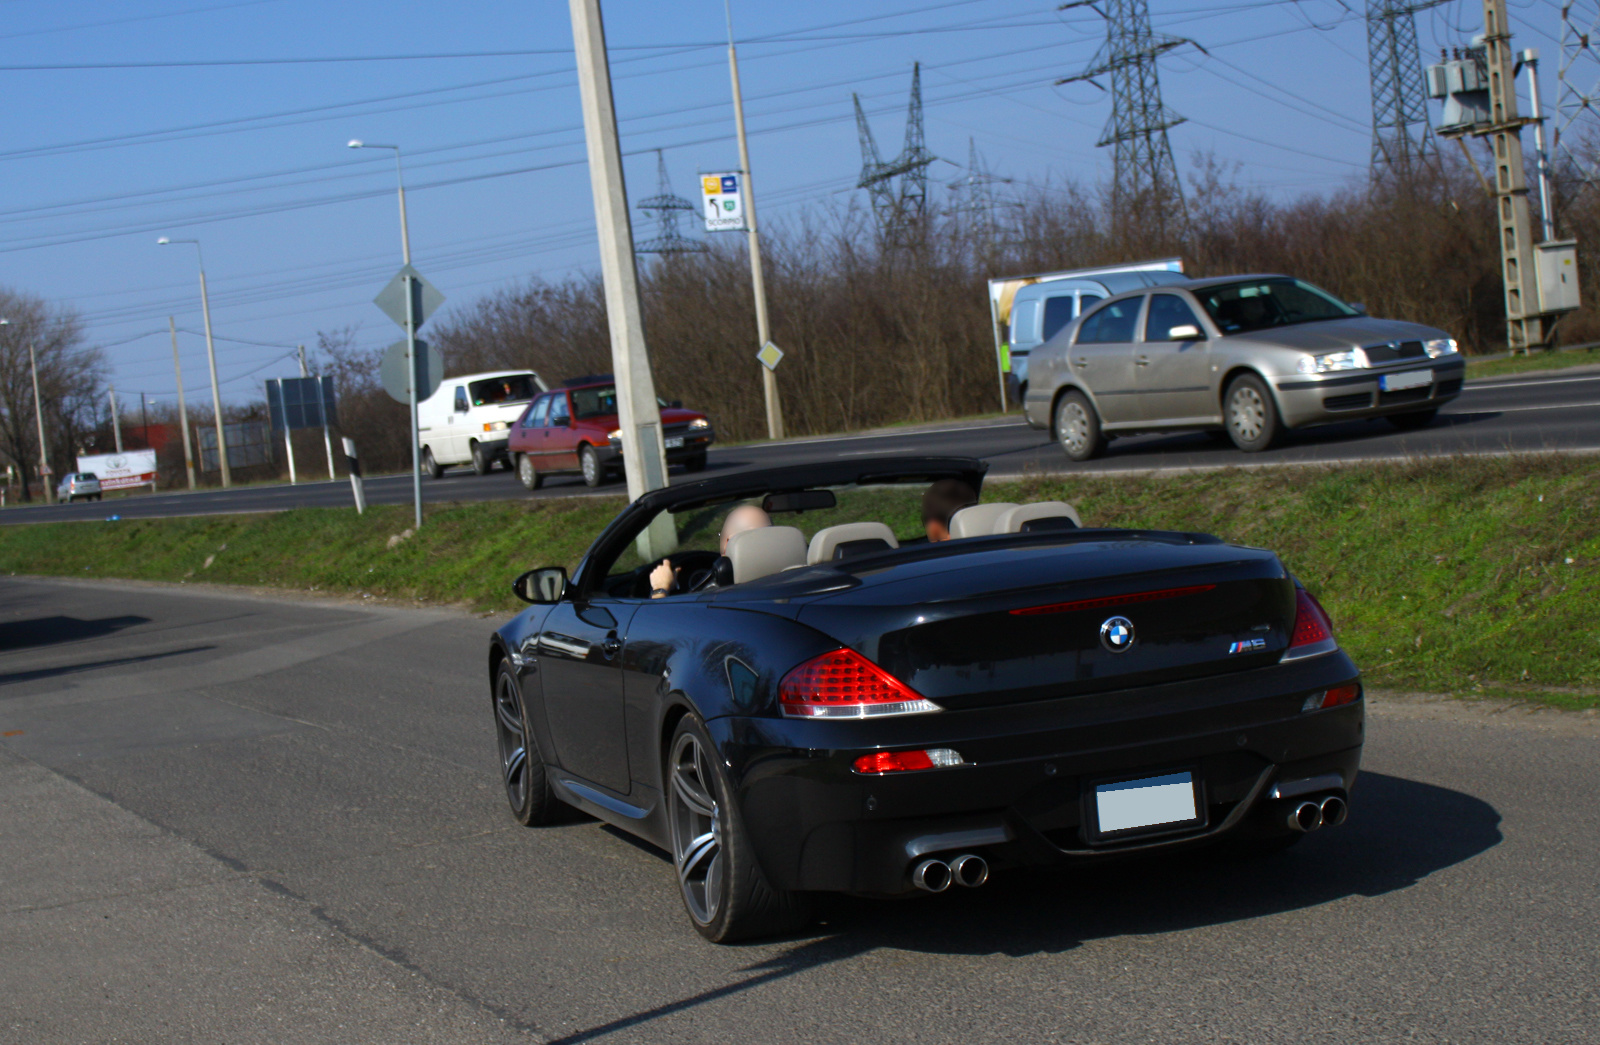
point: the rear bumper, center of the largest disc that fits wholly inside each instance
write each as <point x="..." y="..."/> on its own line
<point x="1321" y="398"/>
<point x="1023" y="797"/>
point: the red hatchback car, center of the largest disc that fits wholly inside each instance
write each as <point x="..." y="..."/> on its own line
<point x="574" y="430"/>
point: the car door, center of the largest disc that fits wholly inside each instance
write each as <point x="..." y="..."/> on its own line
<point x="528" y="438"/>
<point x="1102" y="358"/>
<point x="455" y="426"/>
<point x="579" y="649"/>
<point x="561" y="449"/>
<point x="1173" y="374"/>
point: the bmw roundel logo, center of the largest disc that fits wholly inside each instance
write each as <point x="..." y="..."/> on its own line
<point x="1116" y="634"/>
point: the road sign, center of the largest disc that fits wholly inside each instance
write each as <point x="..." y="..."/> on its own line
<point x="722" y="199"/>
<point x="392" y="299"/>
<point x="392" y="371"/>
<point x="770" y="355"/>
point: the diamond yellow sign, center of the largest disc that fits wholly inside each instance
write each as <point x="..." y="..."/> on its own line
<point x="770" y="355"/>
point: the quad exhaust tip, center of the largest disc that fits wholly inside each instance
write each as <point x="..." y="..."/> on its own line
<point x="1306" y="816"/>
<point x="1334" y="810"/>
<point x="935" y="876"/>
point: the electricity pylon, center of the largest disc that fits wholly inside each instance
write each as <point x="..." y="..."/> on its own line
<point x="899" y="187"/>
<point x="1577" y="90"/>
<point x="668" y="211"/>
<point x="1402" y="137"/>
<point x="975" y="192"/>
<point x="1145" y="178"/>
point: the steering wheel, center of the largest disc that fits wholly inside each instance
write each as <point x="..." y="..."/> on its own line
<point x="693" y="569"/>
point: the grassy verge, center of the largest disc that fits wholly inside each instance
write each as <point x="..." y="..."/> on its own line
<point x="1474" y="576"/>
<point x="1571" y="357"/>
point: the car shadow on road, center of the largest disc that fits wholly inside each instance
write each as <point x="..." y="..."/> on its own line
<point x="1355" y="432"/>
<point x="48" y="631"/>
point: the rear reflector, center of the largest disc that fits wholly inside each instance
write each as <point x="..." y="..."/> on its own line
<point x="1112" y="600"/>
<point x="844" y="684"/>
<point x="1332" y="698"/>
<point x="903" y="761"/>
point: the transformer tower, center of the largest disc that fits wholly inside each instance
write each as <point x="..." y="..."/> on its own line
<point x="898" y="187"/>
<point x="667" y="211"/>
<point x="1145" y="173"/>
<point x="1402" y="137"/>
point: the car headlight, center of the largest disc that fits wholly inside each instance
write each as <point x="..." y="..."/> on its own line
<point x="496" y="426"/>
<point x="614" y="436"/>
<point x="699" y="422"/>
<point x="1443" y="346"/>
<point x="1351" y="359"/>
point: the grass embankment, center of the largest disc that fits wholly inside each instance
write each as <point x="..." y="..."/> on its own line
<point x="1476" y="576"/>
<point x="1540" y="361"/>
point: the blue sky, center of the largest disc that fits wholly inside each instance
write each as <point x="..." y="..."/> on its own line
<point x="300" y="232"/>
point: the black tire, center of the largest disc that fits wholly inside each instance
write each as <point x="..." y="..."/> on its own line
<point x="67" y="499"/>
<point x="481" y="461"/>
<point x="99" y="496"/>
<point x="429" y="465"/>
<point x="1410" y="422"/>
<point x="589" y="463"/>
<point x="697" y="463"/>
<point x="1251" y="414"/>
<point x="1077" y="427"/>
<point x="530" y="476"/>
<point x="522" y="769"/>
<point x="724" y="891"/>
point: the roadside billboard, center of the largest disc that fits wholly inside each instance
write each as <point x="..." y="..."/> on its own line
<point x="121" y="471"/>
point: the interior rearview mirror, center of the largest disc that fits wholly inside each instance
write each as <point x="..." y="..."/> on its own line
<point x="543" y="586"/>
<point x="1186" y="332"/>
<point x="799" y="501"/>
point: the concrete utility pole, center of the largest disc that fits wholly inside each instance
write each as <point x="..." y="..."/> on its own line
<point x="1525" y="326"/>
<point x="769" y="378"/>
<point x="638" y="412"/>
<point x="38" y="417"/>
<point x="183" y="410"/>
<point x="116" y="424"/>
<point x="211" y="359"/>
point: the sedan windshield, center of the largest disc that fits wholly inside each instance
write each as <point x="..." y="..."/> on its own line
<point x="1238" y="308"/>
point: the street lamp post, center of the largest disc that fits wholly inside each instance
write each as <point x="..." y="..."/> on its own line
<point x="411" y="328"/>
<point x="211" y="358"/>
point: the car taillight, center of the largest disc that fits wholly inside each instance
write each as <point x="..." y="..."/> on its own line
<point x="844" y="684"/>
<point x="904" y="761"/>
<point x="1313" y="632"/>
<point x="1332" y="698"/>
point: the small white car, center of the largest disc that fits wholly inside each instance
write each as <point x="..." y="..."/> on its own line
<point x="468" y="420"/>
<point x="76" y="485"/>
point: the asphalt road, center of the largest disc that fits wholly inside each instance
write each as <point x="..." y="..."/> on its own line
<point x="250" y="820"/>
<point x="1559" y="411"/>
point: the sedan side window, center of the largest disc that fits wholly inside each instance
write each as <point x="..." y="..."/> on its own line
<point x="1168" y="311"/>
<point x="558" y="409"/>
<point x="1111" y="324"/>
<point x="535" y="417"/>
<point x="1057" y="314"/>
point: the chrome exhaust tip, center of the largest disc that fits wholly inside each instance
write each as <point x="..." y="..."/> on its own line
<point x="969" y="870"/>
<point x="931" y="876"/>
<point x="1334" y="810"/>
<point x="1306" y="816"/>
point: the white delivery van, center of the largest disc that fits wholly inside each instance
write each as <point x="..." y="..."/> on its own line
<point x="468" y="420"/>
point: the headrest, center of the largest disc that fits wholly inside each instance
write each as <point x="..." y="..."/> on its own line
<point x="767" y="549"/>
<point x="977" y="520"/>
<point x="1031" y="518"/>
<point x="837" y="542"/>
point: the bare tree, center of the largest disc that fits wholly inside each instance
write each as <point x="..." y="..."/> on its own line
<point x="71" y="379"/>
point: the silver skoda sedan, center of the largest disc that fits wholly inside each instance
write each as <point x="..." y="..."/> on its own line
<point x="1252" y="356"/>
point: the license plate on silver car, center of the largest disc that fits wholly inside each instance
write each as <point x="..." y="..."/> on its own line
<point x="1409" y="379"/>
<point x="1149" y="802"/>
<point x="674" y="442"/>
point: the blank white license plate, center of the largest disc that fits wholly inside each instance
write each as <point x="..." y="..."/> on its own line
<point x="674" y="442"/>
<point x="1409" y="379"/>
<point x="1149" y="802"/>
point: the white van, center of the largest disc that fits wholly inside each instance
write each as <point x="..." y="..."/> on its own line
<point x="468" y="420"/>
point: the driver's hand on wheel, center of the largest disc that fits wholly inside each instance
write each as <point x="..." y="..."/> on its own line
<point x="662" y="579"/>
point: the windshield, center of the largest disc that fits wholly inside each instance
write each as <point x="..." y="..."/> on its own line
<point x="517" y="388"/>
<point x="1238" y="308"/>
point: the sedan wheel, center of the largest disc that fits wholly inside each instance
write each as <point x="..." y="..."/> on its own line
<point x="589" y="461"/>
<point x="531" y="479"/>
<point x="1251" y="415"/>
<point x="1078" y="427"/>
<point x="726" y="894"/>
<point x="521" y="766"/>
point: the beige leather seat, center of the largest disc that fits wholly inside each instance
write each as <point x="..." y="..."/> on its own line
<point x="838" y="542"/>
<point x="756" y="553"/>
<point x="1031" y="518"/>
<point x="977" y="520"/>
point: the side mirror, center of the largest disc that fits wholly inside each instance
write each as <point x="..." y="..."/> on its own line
<point x="541" y="587"/>
<point x="1359" y="307"/>
<point x="560" y="422"/>
<point x="1186" y="332"/>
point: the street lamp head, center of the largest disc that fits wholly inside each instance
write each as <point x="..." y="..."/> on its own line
<point x="355" y="143"/>
<point x="163" y="241"/>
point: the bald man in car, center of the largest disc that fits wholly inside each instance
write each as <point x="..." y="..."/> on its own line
<point x="664" y="579"/>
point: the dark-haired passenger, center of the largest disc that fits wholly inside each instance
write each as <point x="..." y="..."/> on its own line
<point x="941" y="501"/>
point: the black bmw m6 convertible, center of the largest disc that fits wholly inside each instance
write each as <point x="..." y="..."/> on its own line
<point x="835" y="704"/>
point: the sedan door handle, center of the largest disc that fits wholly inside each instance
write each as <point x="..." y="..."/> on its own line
<point x="611" y="646"/>
<point x="1080" y="361"/>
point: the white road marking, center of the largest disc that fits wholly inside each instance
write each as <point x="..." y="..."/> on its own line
<point x="1497" y="385"/>
<point x="1542" y="406"/>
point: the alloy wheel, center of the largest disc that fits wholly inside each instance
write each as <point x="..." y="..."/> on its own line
<point x="696" y="829"/>
<point x="513" y="737"/>
<point x="1247" y="414"/>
